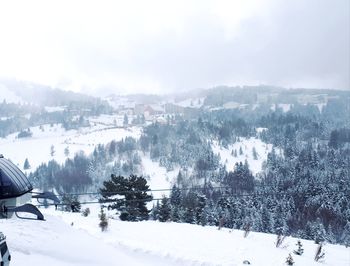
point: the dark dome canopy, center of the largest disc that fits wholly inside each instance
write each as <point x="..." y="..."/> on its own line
<point x="13" y="182"/>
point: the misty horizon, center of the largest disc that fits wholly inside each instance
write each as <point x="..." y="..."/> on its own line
<point x="160" y="48"/>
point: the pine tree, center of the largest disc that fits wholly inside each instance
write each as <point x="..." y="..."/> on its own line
<point x="319" y="232"/>
<point x="175" y="201"/>
<point x="345" y="238"/>
<point x="26" y="165"/>
<point x="155" y="211"/>
<point x="331" y="238"/>
<point x="255" y="154"/>
<point x="125" y="120"/>
<point x="300" y="249"/>
<point x="235" y="153"/>
<point x="210" y="213"/>
<point x="280" y="222"/>
<point x="66" y="151"/>
<point x="133" y="205"/>
<point x="164" y="210"/>
<point x="200" y="205"/>
<point x="289" y="260"/>
<point x="52" y="151"/>
<point x="70" y="203"/>
<point x="246" y="229"/>
<point x="189" y="216"/>
<point x="75" y="205"/>
<point x="103" y="220"/>
<point x="86" y="212"/>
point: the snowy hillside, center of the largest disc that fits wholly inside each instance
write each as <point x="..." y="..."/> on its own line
<point x="160" y="178"/>
<point x="191" y="102"/>
<point x="71" y="239"/>
<point x="56" y="243"/>
<point x="232" y="155"/>
<point x="38" y="147"/>
<point x="8" y="95"/>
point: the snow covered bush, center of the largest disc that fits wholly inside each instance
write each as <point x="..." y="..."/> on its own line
<point x="103" y="220"/>
<point x="86" y="212"/>
<point x="300" y="249"/>
<point x="289" y="260"/>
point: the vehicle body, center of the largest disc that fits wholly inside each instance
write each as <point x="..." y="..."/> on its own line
<point x="5" y="256"/>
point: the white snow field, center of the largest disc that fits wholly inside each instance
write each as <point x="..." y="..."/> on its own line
<point x="247" y="145"/>
<point x="56" y="242"/>
<point x="159" y="177"/>
<point x="191" y="102"/>
<point x="38" y="147"/>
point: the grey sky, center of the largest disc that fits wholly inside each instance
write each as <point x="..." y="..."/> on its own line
<point x="162" y="46"/>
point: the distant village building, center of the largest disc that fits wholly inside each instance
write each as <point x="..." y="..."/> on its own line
<point x="171" y="108"/>
<point x="148" y="110"/>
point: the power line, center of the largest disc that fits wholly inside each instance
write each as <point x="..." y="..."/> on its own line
<point x="234" y="195"/>
<point x="138" y="191"/>
<point x="98" y="202"/>
<point x="228" y="190"/>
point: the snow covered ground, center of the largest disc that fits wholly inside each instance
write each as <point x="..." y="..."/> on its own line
<point x="8" y="95"/>
<point x="57" y="242"/>
<point x="284" y="106"/>
<point x="191" y="102"/>
<point x="160" y="178"/>
<point x="52" y="109"/>
<point x="247" y="145"/>
<point x="38" y="147"/>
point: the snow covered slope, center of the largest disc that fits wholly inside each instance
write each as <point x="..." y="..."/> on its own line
<point x="229" y="159"/>
<point x="191" y="102"/>
<point x="37" y="148"/>
<point x="57" y="242"/>
<point x="8" y="95"/>
<point x="159" y="177"/>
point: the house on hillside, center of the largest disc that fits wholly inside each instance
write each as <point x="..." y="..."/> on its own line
<point x="148" y="110"/>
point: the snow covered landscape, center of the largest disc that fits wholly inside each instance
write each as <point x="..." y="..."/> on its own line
<point x="67" y="239"/>
<point x="82" y="140"/>
<point x="175" y="133"/>
<point x="247" y="146"/>
<point x="73" y="239"/>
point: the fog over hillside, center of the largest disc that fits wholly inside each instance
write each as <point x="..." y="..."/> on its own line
<point x="175" y="132"/>
<point x="158" y="47"/>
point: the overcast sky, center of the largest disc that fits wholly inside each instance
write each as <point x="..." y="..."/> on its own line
<point x="163" y="46"/>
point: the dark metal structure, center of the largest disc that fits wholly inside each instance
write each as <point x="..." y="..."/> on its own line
<point x="16" y="191"/>
<point x="5" y="256"/>
<point x="13" y="183"/>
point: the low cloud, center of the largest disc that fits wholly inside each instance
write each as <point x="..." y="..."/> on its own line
<point x="185" y="46"/>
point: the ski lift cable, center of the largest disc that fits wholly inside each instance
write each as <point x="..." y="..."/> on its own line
<point x="138" y="191"/>
<point x="161" y="190"/>
<point x="108" y="201"/>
